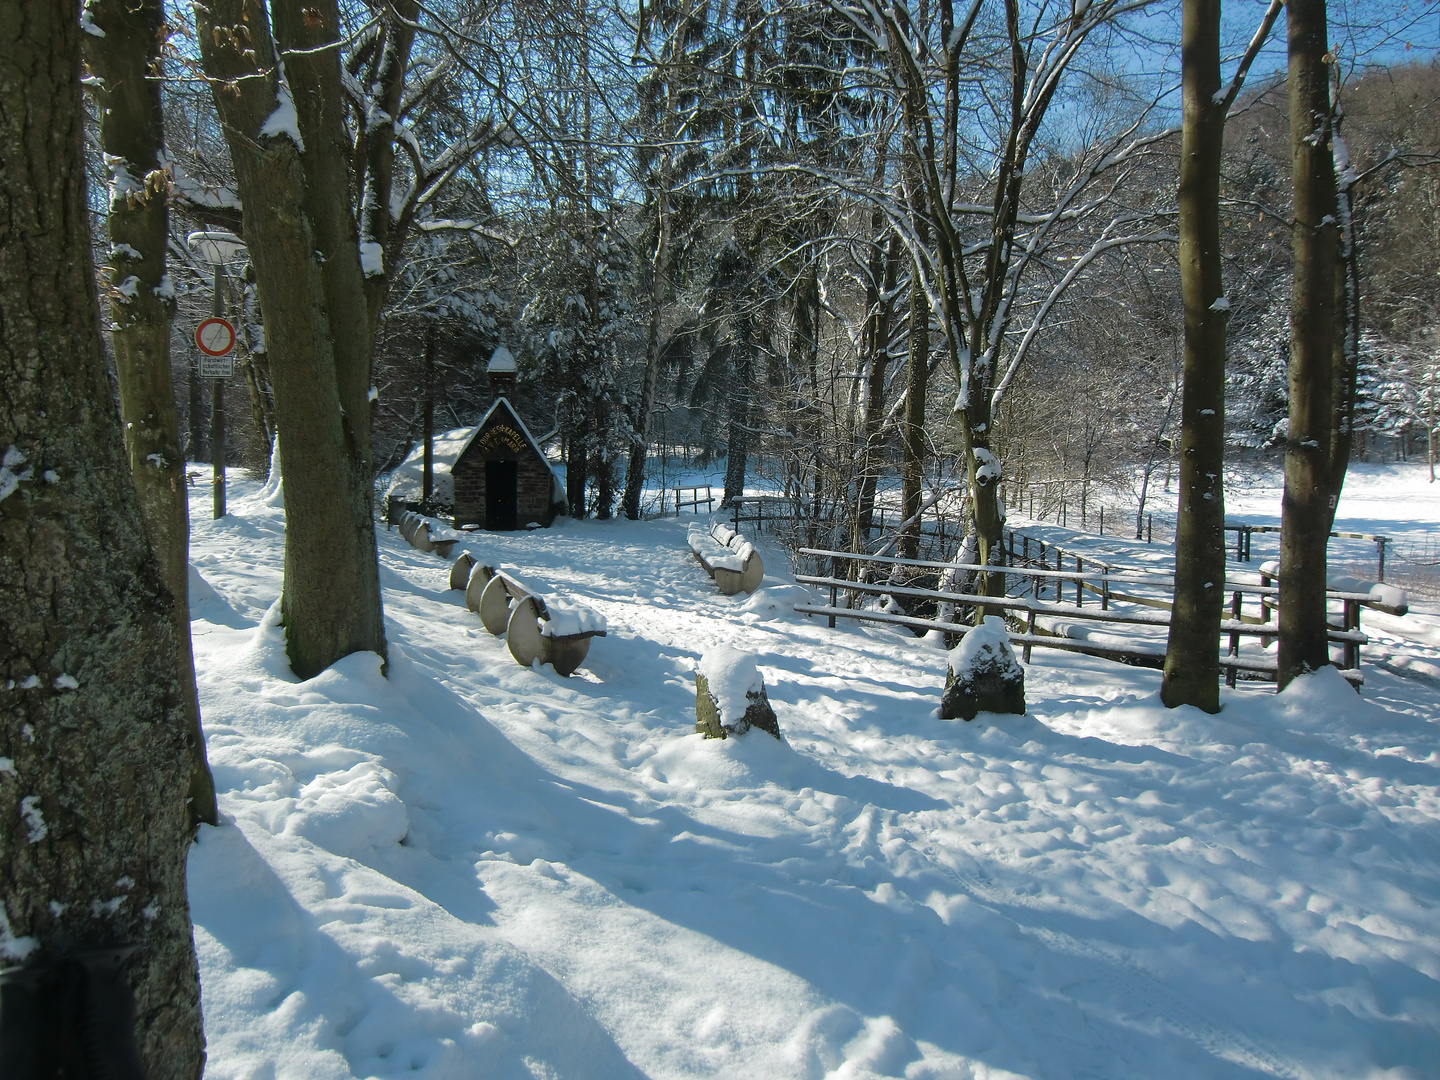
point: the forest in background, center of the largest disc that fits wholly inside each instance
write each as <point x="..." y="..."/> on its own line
<point x="697" y="232"/>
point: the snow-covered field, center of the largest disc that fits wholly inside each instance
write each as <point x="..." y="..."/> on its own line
<point x="472" y="869"/>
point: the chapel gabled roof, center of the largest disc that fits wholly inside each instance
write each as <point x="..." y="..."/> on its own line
<point x="503" y="405"/>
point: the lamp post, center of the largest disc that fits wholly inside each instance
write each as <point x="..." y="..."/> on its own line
<point x="216" y="338"/>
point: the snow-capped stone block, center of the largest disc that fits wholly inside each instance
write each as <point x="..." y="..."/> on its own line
<point x="983" y="674"/>
<point x="730" y="695"/>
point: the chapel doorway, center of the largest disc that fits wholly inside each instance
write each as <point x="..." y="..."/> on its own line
<point x="502" y="495"/>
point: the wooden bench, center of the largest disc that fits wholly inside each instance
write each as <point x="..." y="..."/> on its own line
<point x="727" y="557"/>
<point x="551" y="631"/>
<point x="425" y="535"/>
<point x="535" y="626"/>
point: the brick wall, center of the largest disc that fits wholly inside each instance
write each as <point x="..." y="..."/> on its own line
<point x="499" y="440"/>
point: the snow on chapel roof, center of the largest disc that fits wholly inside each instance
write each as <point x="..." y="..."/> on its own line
<point x="502" y="359"/>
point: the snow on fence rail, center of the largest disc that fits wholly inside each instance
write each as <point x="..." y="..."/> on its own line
<point x="848" y="573"/>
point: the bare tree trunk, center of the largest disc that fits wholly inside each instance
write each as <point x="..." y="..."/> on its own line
<point x="196" y="414"/>
<point x="1307" y="511"/>
<point x="142" y="302"/>
<point x="645" y="408"/>
<point x="577" y="468"/>
<point x="427" y="473"/>
<point x="1192" y="654"/>
<point x="256" y="363"/>
<point x="738" y="442"/>
<point x="659" y="270"/>
<point x="1345" y="353"/>
<point x="93" y="711"/>
<point x="303" y="244"/>
<point x="877" y="348"/>
<point x="912" y="461"/>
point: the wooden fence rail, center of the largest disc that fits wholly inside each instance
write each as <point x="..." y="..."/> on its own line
<point x="695" y="499"/>
<point x="848" y="576"/>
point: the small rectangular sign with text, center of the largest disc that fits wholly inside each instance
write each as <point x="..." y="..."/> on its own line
<point x="216" y="367"/>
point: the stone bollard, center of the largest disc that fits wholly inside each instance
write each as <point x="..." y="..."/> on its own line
<point x="983" y="674"/>
<point x="730" y="695"/>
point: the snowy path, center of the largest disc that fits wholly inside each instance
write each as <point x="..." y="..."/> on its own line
<point x="472" y="869"/>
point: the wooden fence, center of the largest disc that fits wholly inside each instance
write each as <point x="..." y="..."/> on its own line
<point x="1117" y="600"/>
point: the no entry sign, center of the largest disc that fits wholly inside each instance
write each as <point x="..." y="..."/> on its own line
<point x="215" y="337"/>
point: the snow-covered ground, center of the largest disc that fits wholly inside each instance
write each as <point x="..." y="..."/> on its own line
<point x="472" y="869"/>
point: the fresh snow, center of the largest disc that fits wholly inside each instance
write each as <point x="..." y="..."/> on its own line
<point x="986" y="646"/>
<point x="730" y="677"/>
<point x="465" y="868"/>
<point x="372" y="259"/>
<point x="284" y="120"/>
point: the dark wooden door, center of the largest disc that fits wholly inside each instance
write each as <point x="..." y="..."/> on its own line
<point x="502" y="494"/>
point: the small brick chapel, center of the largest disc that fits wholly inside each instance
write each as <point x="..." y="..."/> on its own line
<point x="502" y="477"/>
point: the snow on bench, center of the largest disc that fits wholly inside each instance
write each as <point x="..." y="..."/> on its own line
<point x="428" y="534"/>
<point x="537" y="625"/>
<point x="727" y="557"/>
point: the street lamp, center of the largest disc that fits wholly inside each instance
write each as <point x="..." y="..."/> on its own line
<point x="215" y="338"/>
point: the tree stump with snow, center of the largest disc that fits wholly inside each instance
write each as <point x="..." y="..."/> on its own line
<point x="730" y="696"/>
<point x="983" y="674"/>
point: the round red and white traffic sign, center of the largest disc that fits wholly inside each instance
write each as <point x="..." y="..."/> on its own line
<point x="215" y="337"/>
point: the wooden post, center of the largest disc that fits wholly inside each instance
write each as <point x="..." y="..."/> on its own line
<point x="1030" y="632"/>
<point x="1266" y="580"/>
<point x="834" y="598"/>
<point x="1235" y="601"/>
<point x="1105" y="589"/>
<point x="1351" y="650"/>
<point x="1079" y="582"/>
<point x="1150" y="528"/>
<point x="1380" y="552"/>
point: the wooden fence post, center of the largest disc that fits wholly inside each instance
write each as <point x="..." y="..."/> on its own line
<point x="1232" y="673"/>
<point x="1351" y="651"/>
<point x="1265" y="580"/>
<point x="1079" y="582"/>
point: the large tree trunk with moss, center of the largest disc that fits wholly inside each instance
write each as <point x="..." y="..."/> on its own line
<point x="93" y="719"/>
<point x="125" y="58"/>
<point x="304" y="245"/>
<point x="1306" y="510"/>
<point x="1192" y="654"/>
